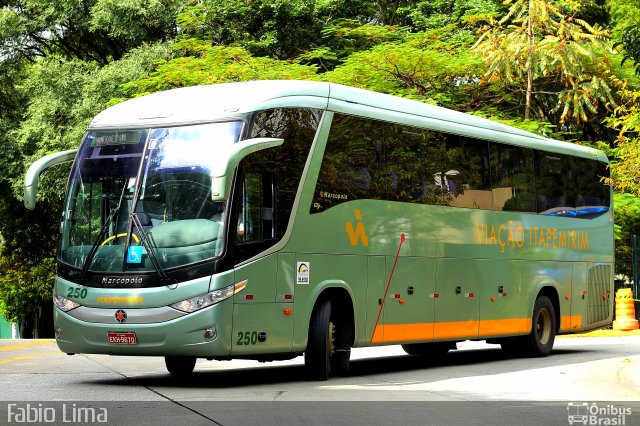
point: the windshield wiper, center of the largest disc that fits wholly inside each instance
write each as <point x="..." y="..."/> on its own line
<point x="101" y="235"/>
<point x="135" y="221"/>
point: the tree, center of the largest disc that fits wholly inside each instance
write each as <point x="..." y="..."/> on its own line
<point x="627" y="224"/>
<point x="60" y="96"/>
<point x="90" y="30"/>
<point x="279" y="29"/>
<point x="425" y="67"/>
<point x="535" y="41"/>
<point x="285" y="29"/>
<point x="631" y="44"/>
<point x="347" y="36"/>
<point x="625" y="15"/>
<point x="625" y="169"/>
<point x="433" y="14"/>
<point x="198" y="62"/>
<point x="27" y="267"/>
<point x="63" y="96"/>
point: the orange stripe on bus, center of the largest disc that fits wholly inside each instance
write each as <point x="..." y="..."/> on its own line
<point x="505" y="326"/>
<point x="387" y="333"/>
<point x="571" y="322"/>
<point x="446" y="330"/>
<point x="402" y="332"/>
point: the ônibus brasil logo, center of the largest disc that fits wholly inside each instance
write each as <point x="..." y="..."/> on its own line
<point x="583" y="413"/>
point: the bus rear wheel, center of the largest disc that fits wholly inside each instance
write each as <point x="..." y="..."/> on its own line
<point x="180" y="365"/>
<point x="326" y="353"/>
<point x="543" y="328"/>
<point x="543" y="332"/>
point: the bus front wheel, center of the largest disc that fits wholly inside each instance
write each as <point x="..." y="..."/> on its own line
<point x="323" y="356"/>
<point x="180" y="365"/>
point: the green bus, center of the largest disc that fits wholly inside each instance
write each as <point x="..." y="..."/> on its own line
<point x="267" y="219"/>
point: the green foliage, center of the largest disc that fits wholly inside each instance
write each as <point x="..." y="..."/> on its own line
<point x="27" y="244"/>
<point x="276" y="28"/>
<point x="549" y="53"/>
<point x="63" y="61"/>
<point x="626" y="120"/>
<point x="631" y="44"/>
<point x="201" y="63"/>
<point x="64" y="95"/>
<point x="425" y="67"/>
<point x="624" y="14"/>
<point x="627" y="216"/>
<point x="89" y="30"/>
<point x="136" y="21"/>
<point x="533" y="126"/>
<point x="401" y="70"/>
<point x="434" y="14"/>
<point x="61" y="98"/>
<point x="25" y="287"/>
<point x="347" y="36"/>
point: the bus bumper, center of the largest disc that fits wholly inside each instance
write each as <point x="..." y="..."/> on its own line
<point x="205" y="333"/>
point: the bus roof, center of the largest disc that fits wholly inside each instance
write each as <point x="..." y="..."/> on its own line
<point x="200" y="104"/>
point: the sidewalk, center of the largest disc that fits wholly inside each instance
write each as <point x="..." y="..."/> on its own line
<point x="25" y="351"/>
<point x="605" y="333"/>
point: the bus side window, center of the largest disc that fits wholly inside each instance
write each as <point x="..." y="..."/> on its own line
<point x="512" y="178"/>
<point x="592" y="195"/>
<point x="255" y="214"/>
<point x="554" y="183"/>
<point x="270" y="179"/>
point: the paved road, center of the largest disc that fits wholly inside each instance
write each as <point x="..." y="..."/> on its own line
<point x="477" y="384"/>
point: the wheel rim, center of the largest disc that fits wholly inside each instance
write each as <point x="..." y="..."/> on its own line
<point x="332" y="339"/>
<point x="543" y="326"/>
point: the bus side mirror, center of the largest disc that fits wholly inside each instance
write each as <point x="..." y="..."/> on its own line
<point x="36" y="169"/>
<point x="225" y="164"/>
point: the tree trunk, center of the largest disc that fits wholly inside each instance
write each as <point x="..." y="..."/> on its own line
<point x="527" y="106"/>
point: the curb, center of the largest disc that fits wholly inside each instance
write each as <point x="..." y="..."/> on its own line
<point x="604" y="333"/>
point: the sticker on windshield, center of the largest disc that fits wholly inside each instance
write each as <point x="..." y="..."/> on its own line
<point x="117" y="137"/>
<point x="302" y="273"/>
<point x="134" y="254"/>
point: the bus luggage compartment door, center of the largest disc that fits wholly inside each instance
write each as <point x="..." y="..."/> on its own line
<point x="457" y="305"/>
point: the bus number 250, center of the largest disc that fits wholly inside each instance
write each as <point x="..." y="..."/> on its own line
<point x="247" y="338"/>
<point x="77" y="293"/>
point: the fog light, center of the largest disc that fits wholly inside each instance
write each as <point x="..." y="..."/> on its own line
<point x="57" y="332"/>
<point x="210" y="334"/>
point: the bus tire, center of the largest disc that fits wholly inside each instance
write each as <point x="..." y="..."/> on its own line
<point x="180" y="365"/>
<point x="431" y="350"/>
<point x="543" y="328"/>
<point x="320" y="356"/>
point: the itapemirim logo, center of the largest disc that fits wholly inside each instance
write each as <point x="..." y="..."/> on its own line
<point x="583" y="413"/>
<point x="357" y="235"/>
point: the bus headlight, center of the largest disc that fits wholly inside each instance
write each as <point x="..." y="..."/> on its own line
<point x="204" y="300"/>
<point x="63" y="303"/>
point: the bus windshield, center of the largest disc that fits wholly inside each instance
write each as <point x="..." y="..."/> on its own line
<point x="137" y="197"/>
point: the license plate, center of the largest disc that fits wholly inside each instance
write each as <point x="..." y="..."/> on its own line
<point x="122" y="338"/>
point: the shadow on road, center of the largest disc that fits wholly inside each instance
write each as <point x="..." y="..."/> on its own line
<point x="449" y="366"/>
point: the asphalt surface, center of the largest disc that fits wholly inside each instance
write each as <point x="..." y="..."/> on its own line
<point x="593" y="379"/>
